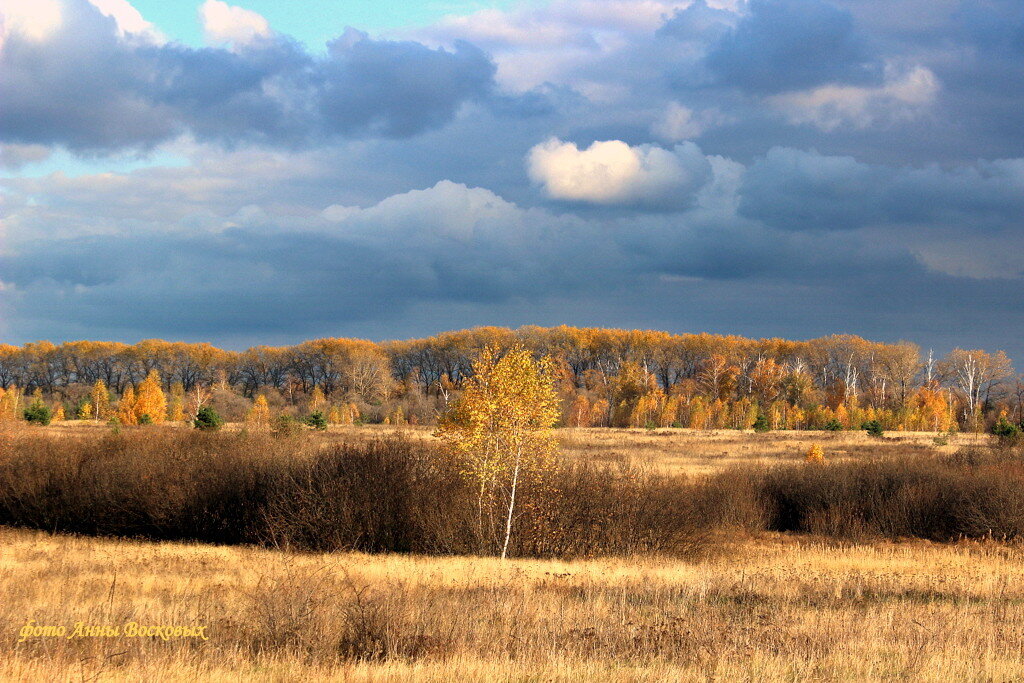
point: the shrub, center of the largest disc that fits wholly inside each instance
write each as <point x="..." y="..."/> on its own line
<point x="380" y="496"/>
<point x="1005" y="429"/>
<point x="761" y="423"/>
<point x="285" y="426"/>
<point x="873" y="428"/>
<point x="38" y="413"/>
<point x="815" y="454"/>
<point x="145" y="419"/>
<point x="208" y="420"/>
<point x="399" y="496"/>
<point x="316" y="420"/>
<point x="833" y="425"/>
<point x="971" y="494"/>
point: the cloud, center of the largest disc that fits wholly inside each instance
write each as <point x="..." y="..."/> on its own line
<point x="452" y="255"/>
<point x="224" y="23"/>
<point x="16" y="156"/>
<point x="784" y="45"/>
<point x="850" y="151"/>
<point x="550" y="43"/>
<point x="806" y="191"/>
<point x="699" y="22"/>
<point x="128" y="19"/>
<point x="33" y="21"/>
<point x="81" y="84"/>
<point x="259" y="245"/>
<point x="447" y="243"/>
<point x="678" y="122"/>
<point x="904" y="95"/>
<point x="576" y="23"/>
<point x="612" y="172"/>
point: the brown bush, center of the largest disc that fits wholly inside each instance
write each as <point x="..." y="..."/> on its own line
<point x="394" y="495"/>
<point x="972" y="494"/>
<point x="377" y="496"/>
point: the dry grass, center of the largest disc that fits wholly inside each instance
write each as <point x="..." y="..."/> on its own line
<point x="773" y="608"/>
<point x="696" y="452"/>
<point x="671" y="451"/>
<point x="706" y="452"/>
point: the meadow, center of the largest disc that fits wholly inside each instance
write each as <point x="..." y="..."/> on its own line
<point x="746" y="592"/>
<point x="670" y="450"/>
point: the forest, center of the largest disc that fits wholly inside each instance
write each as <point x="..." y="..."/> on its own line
<point x="606" y="378"/>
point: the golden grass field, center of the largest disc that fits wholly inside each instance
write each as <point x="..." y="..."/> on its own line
<point x="766" y="607"/>
<point x="675" y="451"/>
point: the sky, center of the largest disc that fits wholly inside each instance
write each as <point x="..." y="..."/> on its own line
<point x="271" y="172"/>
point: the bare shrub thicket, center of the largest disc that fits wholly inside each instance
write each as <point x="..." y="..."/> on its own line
<point x="394" y="495"/>
<point x="971" y="494"/>
<point x="388" y="495"/>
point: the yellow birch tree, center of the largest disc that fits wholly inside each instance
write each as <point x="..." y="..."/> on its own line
<point x="258" y="417"/>
<point x="176" y="411"/>
<point x="501" y="426"/>
<point x="100" y="399"/>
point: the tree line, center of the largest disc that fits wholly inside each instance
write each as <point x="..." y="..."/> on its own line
<point x="606" y="377"/>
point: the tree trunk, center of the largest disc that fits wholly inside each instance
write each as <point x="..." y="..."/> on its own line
<point x="511" y="506"/>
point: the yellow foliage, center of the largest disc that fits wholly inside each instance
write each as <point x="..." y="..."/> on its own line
<point x="317" y="401"/>
<point x="126" y="408"/>
<point x="176" y="412"/>
<point x="501" y="426"/>
<point x="150" y="400"/>
<point x="10" y="404"/>
<point x="258" y="417"/>
<point x="698" y="413"/>
<point x="647" y="410"/>
<point x="176" y="409"/>
<point x="815" y="455"/>
<point x="579" y="412"/>
<point x="842" y="415"/>
<point x="100" y="398"/>
<point x="670" y="411"/>
<point x="599" y="413"/>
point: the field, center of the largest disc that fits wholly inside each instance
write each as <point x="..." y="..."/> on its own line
<point x="677" y="451"/>
<point x="757" y="605"/>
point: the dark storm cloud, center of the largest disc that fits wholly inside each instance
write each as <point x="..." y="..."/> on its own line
<point x="85" y="87"/>
<point x="796" y="190"/>
<point x="445" y="244"/>
<point x="791" y="45"/>
<point x="467" y="256"/>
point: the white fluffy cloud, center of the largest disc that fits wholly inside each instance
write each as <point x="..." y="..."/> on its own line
<point x="224" y="23"/>
<point x="537" y="43"/>
<point x="128" y="19"/>
<point x="38" y="19"/>
<point x="34" y="20"/>
<point x="904" y="94"/>
<point x="613" y="172"/>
